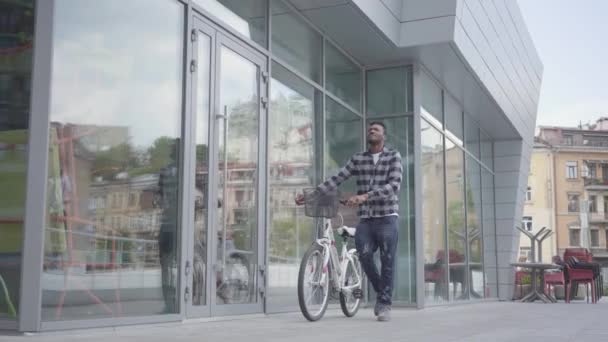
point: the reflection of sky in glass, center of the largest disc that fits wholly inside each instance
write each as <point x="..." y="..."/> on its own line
<point x="229" y="17"/>
<point x="116" y="65"/>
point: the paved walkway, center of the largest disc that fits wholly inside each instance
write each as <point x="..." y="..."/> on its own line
<point x="495" y="321"/>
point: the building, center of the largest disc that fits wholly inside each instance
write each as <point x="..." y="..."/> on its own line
<point x="540" y="203"/>
<point x="152" y="150"/>
<point x="574" y="162"/>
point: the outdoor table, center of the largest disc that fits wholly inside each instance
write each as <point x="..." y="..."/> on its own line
<point x="536" y="294"/>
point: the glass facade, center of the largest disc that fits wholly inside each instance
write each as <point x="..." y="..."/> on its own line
<point x="385" y="91"/>
<point x="433" y="213"/>
<point x="114" y="170"/>
<point x="453" y="119"/>
<point x="342" y="77"/>
<point x="295" y="115"/>
<point x="456" y="226"/>
<point x="388" y="100"/>
<point x="121" y="158"/>
<point x="468" y="270"/>
<point x="431" y="100"/>
<point x="295" y="42"/>
<point x="16" y="47"/>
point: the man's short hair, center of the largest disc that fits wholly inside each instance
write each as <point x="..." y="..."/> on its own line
<point x="379" y="123"/>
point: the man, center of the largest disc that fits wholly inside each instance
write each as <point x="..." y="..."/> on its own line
<point x="378" y="171"/>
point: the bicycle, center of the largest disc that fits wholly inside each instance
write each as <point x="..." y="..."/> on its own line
<point x="322" y="270"/>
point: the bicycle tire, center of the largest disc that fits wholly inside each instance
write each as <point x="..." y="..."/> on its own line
<point x="314" y="250"/>
<point x="351" y="310"/>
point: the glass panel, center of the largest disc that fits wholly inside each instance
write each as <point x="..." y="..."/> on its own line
<point x="399" y="136"/>
<point x="343" y="138"/>
<point x="246" y="17"/>
<point x="295" y="42"/>
<point x="15" y="82"/>
<point x="471" y="135"/>
<point x="238" y="168"/>
<point x="474" y="233"/>
<point x="487" y="151"/>
<point x="343" y="77"/>
<point x="388" y="91"/>
<point x="433" y="214"/>
<point x="113" y="175"/>
<point x="201" y="190"/>
<point x="453" y="119"/>
<point x="431" y="101"/>
<point x="454" y="169"/>
<point x="489" y="235"/>
<point x="291" y="155"/>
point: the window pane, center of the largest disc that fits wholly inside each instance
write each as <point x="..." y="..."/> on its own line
<point x="296" y="43"/>
<point x="575" y="237"/>
<point x="489" y="234"/>
<point x="399" y="136"/>
<point x="487" y="150"/>
<point x="291" y="156"/>
<point x="388" y="91"/>
<point x="471" y="135"/>
<point x="246" y="17"/>
<point x="342" y="77"/>
<point x="431" y="98"/>
<point x="433" y="215"/>
<point x="343" y="138"/>
<point x="455" y="194"/>
<point x="473" y="200"/>
<point x="595" y="237"/>
<point x="453" y="118"/>
<point x="15" y="90"/>
<point x="573" y="203"/>
<point x="116" y="121"/>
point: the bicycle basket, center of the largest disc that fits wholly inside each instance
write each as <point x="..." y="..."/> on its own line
<point x="319" y="204"/>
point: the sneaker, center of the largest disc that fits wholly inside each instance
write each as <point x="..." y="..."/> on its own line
<point x="377" y="308"/>
<point x="385" y="314"/>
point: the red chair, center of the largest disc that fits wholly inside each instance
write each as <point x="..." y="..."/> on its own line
<point x="554" y="278"/>
<point x="581" y="276"/>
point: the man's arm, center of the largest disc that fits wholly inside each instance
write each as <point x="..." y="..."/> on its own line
<point x="333" y="182"/>
<point x="393" y="185"/>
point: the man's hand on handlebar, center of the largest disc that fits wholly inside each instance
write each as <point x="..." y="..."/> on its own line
<point x="356" y="200"/>
<point x="299" y="199"/>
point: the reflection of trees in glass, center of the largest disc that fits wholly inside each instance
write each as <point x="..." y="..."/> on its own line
<point x="126" y="158"/>
<point x="287" y="234"/>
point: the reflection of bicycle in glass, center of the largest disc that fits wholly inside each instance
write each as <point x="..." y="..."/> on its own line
<point x="233" y="283"/>
<point x="322" y="270"/>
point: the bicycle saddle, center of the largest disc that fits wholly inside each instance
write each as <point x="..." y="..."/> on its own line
<point x="347" y="231"/>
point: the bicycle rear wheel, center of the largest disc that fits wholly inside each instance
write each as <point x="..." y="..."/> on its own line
<point x="313" y="284"/>
<point x="353" y="280"/>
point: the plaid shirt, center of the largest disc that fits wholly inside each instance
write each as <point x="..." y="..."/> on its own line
<point x="381" y="182"/>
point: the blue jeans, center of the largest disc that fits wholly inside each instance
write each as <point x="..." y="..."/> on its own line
<point x="373" y="234"/>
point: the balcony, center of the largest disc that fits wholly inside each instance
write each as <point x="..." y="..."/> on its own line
<point x="598" y="217"/>
<point x="596" y="184"/>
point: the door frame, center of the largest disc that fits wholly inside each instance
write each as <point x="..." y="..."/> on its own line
<point x="219" y="39"/>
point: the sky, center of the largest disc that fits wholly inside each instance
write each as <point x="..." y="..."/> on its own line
<point x="570" y="37"/>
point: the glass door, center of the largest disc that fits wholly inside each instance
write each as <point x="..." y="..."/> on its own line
<point x="223" y="265"/>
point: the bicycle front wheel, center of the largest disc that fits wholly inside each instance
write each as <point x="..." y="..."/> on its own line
<point x="353" y="280"/>
<point x="313" y="284"/>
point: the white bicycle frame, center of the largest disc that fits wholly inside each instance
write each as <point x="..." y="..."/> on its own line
<point x="338" y="264"/>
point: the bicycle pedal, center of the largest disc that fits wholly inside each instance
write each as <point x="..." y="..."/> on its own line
<point x="358" y="293"/>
